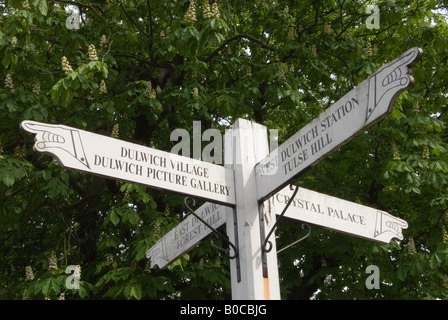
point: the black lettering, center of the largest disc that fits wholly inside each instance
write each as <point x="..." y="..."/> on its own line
<point x="97" y="161"/>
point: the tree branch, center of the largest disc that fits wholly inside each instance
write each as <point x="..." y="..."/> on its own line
<point x="236" y="37"/>
<point x="76" y="3"/>
<point x="151" y="31"/>
<point x="133" y="22"/>
<point x="163" y="65"/>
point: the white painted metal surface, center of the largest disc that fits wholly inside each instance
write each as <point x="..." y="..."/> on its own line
<point x="363" y="106"/>
<point x="244" y="183"/>
<point x="338" y="214"/>
<point x="246" y="144"/>
<point x="97" y="154"/>
<point x="187" y="234"/>
<point x="307" y="206"/>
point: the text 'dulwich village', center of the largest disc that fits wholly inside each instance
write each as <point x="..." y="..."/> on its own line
<point x="162" y="168"/>
<point x="121" y="160"/>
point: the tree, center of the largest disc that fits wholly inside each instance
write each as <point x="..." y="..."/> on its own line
<point x="137" y="70"/>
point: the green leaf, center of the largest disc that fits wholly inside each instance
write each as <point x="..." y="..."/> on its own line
<point x="134" y="219"/>
<point x="177" y="263"/>
<point x="404" y="167"/>
<point x="104" y="70"/>
<point x="66" y="97"/>
<point x="12" y="106"/>
<point x="402" y="274"/>
<point x="133" y="290"/>
<point x="46" y="287"/>
<point x="66" y="82"/>
<point x="397" y="114"/>
<point x="8" y="180"/>
<point x="82" y="291"/>
<point x="140" y="250"/>
<point x="434" y="261"/>
<point x="56" y="186"/>
<point x="41" y="5"/>
<point x="114" y="217"/>
<point x="55" y="287"/>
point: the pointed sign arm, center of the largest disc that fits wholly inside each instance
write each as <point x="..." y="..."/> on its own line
<point x="363" y="106"/>
<point x="117" y="159"/>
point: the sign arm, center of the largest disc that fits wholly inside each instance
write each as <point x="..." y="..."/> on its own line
<point x="216" y="232"/>
<point x="322" y="210"/>
<point x="125" y="161"/>
<point x="360" y="108"/>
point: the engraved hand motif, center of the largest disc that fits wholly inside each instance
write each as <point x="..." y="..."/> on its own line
<point x="388" y="223"/>
<point x="388" y="82"/>
<point x="56" y="140"/>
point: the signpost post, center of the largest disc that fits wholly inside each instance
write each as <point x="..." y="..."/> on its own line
<point x="246" y="144"/>
<point x="237" y="193"/>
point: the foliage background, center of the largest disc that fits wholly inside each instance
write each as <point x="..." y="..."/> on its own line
<point x="279" y="63"/>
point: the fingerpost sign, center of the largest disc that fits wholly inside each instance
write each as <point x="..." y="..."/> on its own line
<point x="249" y="190"/>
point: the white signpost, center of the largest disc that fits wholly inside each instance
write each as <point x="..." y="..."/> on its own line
<point x="250" y="177"/>
<point x="363" y="106"/>
<point x="337" y="214"/>
<point x="307" y="206"/>
<point x="187" y="234"/>
<point x="97" y="154"/>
